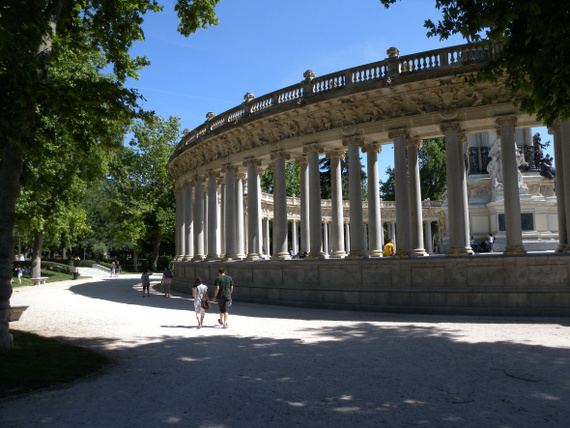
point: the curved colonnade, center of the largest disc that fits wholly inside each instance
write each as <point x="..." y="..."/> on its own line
<point x="398" y="101"/>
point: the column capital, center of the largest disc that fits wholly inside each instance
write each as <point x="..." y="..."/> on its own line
<point x="506" y="121"/>
<point x="413" y="142"/>
<point x="213" y="174"/>
<point x="302" y="159"/>
<point x="372" y="147"/>
<point x="271" y="166"/>
<point x="230" y="168"/>
<point x="280" y="154"/>
<point x="450" y="127"/>
<point x="198" y="179"/>
<point x="398" y="133"/>
<point x="241" y="176"/>
<point x="260" y="171"/>
<point x="314" y="148"/>
<point x="554" y="128"/>
<point x="336" y="153"/>
<point x="355" y="140"/>
<point x="252" y="162"/>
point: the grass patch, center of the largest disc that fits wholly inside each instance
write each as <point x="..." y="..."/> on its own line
<point x="38" y="362"/>
<point x="51" y="277"/>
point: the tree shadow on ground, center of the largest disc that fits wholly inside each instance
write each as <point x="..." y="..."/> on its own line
<point x="361" y="374"/>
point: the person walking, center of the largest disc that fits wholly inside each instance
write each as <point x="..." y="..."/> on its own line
<point x="166" y="281"/>
<point x="112" y="269"/>
<point x="117" y="268"/>
<point x="224" y="288"/>
<point x="200" y="294"/>
<point x="146" y="281"/>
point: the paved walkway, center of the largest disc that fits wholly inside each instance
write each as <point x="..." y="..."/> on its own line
<point x="281" y="366"/>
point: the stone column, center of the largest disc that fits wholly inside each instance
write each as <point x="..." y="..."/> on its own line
<point x="206" y="216"/>
<point x="337" y="232"/>
<point x="213" y="225"/>
<point x="402" y="196"/>
<point x="355" y="197"/>
<point x="561" y="166"/>
<point x="240" y="217"/>
<point x="455" y="171"/>
<point x="253" y="209"/>
<point x="392" y="233"/>
<point x="326" y="238"/>
<point x="280" y="251"/>
<point x="413" y="144"/>
<point x="294" y="238"/>
<point x="315" y="214"/>
<point x="347" y="237"/>
<point x="375" y="247"/>
<point x="506" y="131"/>
<point x="198" y="219"/>
<point x="266" y="242"/>
<point x="221" y="235"/>
<point x="428" y="236"/>
<point x="188" y="213"/>
<point x="180" y="226"/>
<point x="305" y="223"/>
<point x="230" y="212"/>
<point x="560" y="190"/>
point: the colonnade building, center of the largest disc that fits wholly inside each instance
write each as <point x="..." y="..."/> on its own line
<point x="396" y="102"/>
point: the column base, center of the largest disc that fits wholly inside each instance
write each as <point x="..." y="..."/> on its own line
<point x="230" y="258"/>
<point x="317" y="256"/>
<point x="419" y="252"/>
<point x="281" y="256"/>
<point x="514" y="250"/>
<point x="403" y="254"/>
<point x="357" y="255"/>
<point x="375" y="253"/>
<point x="213" y="258"/>
<point x="562" y="248"/>
<point x="338" y="255"/>
<point x="252" y="257"/>
<point x="199" y="258"/>
<point x="187" y="258"/>
<point x="459" y="252"/>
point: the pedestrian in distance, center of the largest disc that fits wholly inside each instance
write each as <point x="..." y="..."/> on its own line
<point x="200" y="294"/>
<point x="112" y="269"/>
<point x="145" y="277"/>
<point x="20" y="273"/>
<point x="166" y="281"/>
<point x="389" y="248"/>
<point x="117" y="268"/>
<point x="224" y="288"/>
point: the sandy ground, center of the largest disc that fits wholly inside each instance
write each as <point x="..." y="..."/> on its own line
<point x="281" y="366"/>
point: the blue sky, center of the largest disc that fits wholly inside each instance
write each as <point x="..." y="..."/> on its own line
<point x="263" y="45"/>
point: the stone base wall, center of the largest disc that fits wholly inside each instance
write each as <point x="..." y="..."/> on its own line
<point x="536" y="285"/>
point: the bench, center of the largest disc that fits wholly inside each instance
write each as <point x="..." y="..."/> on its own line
<point x="15" y="312"/>
<point x="40" y="280"/>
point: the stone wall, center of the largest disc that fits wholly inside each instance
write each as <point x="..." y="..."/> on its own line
<point x="483" y="284"/>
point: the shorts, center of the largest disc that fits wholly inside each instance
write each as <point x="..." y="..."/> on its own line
<point x="224" y="305"/>
<point x="166" y="281"/>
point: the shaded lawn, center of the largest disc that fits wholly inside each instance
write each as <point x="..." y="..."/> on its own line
<point x="37" y="362"/>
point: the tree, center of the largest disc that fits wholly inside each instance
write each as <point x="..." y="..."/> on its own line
<point x="433" y="181"/>
<point x="139" y="189"/>
<point x="34" y="36"/>
<point x="533" y="56"/>
<point x="292" y="179"/>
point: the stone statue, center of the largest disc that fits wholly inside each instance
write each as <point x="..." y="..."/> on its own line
<point x="494" y="167"/>
<point x="520" y="162"/>
<point x="546" y="168"/>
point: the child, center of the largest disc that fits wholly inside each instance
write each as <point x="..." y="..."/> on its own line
<point x="146" y="281"/>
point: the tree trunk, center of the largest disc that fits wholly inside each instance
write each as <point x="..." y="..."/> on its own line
<point x="11" y="162"/>
<point x="36" y="269"/>
<point x="135" y="260"/>
<point x="64" y="254"/>
<point x="155" y="252"/>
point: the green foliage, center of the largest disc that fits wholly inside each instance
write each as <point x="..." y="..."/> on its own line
<point x="534" y="56"/>
<point x="433" y="181"/>
<point x="292" y="179"/>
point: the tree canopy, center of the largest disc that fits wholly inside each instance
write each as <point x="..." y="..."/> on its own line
<point x="533" y="55"/>
<point x="38" y="36"/>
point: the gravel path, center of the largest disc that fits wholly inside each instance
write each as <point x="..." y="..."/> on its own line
<point x="280" y="366"/>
